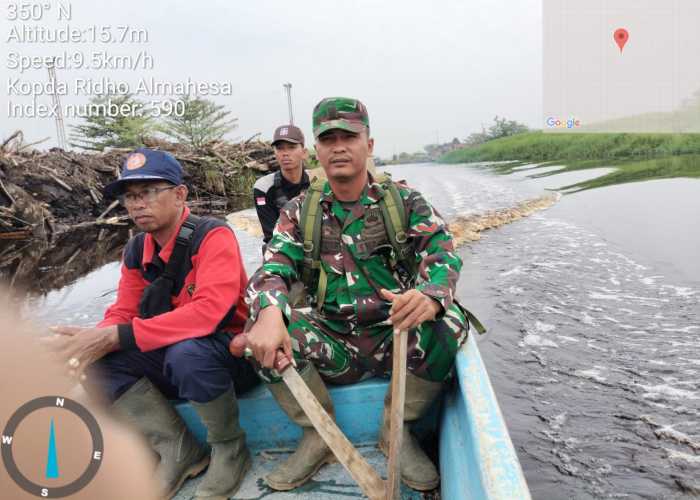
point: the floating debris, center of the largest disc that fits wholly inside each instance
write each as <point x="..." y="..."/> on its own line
<point x="464" y="229"/>
<point x="468" y="228"/>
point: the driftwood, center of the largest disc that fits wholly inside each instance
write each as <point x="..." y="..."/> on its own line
<point x="17" y="135"/>
<point x="111" y="207"/>
<point x="9" y="197"/>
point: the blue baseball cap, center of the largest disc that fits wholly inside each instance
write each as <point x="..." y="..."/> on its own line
<point x="146" y="165"/>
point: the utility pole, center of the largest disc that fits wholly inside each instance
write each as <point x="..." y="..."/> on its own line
<point x="288" y="88"/>
<point x="60" y="126"/>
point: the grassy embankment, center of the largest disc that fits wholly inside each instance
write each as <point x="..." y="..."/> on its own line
<point x="636" y="157"/>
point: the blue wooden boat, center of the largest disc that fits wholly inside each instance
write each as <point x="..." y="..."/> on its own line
<point x="477" y="458"/>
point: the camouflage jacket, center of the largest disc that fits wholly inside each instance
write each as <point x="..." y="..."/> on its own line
<point x="355" y="253"/>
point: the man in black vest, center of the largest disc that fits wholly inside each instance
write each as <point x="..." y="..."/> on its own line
<point x="179" y="303"/>
<point x="272" y="191"/>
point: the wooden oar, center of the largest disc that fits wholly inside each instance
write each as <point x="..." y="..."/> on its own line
<point x="366" y="477"/>
<point x="398" y="398"/>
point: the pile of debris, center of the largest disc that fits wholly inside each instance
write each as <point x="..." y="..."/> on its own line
<point x="44" y="195"/>
<point x="40" y="189"/>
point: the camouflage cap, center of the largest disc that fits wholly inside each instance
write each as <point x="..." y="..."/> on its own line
<point x="342" y="113"/>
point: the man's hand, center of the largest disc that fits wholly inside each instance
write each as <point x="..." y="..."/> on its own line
<point x="410" y="309"/>
<point x="79" y="347"/>
<point x="268" y="335"/>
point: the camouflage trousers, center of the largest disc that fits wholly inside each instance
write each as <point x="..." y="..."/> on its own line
<point x="344" y="353"/>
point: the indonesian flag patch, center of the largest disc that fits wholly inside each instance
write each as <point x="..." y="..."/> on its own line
<point x="260" y="200"/>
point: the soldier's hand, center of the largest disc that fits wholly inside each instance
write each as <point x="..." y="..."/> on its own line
<point x="410" y="309"/>
<point x="268" y="335"/>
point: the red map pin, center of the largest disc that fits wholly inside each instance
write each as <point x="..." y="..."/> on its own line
<point x="621" y="36"/>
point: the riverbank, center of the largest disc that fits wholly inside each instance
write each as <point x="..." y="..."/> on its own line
<point x="634" y="157"/>
<point x="539" y="146"/>
<point x="622" y="172"/>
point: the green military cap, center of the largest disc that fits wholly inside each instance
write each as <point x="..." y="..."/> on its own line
<point x="342" y="113"/>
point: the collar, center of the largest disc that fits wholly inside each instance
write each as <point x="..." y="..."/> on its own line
<point x="371" y="194"/>
<point x="149" y="244"/>
<point x="281" y="179"/>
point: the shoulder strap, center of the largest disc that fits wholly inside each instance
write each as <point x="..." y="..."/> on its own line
<point x="184" y="249"/>
<point x="133" y="252"/>
<point x="396" y="224"/>
<point x="157" y="296"/>
<point x="474" y="321"/>
<point x="310" y="228"/>
<point x="182" y="244"/>
<point x="395" y="221"/>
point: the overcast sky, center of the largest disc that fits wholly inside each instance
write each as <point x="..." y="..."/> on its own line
<point x="425" y="70"/>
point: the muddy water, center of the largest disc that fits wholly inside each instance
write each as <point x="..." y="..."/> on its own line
<point x="594" y="313"/>
<point x="594" y="348"/>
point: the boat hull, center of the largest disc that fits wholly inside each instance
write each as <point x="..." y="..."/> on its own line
<point x="477" y="458"/>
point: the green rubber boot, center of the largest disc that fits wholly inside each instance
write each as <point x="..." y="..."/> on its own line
<point x="312" y="452"/>
<point x="181" y="456"/>
<point x="230" y="458"/>
<point x="417" y="470"/>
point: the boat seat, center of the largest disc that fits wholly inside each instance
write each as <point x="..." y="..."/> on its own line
<point x="358" y="410"/>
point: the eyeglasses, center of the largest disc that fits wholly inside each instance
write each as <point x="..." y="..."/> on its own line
<point x="148" y="195"/>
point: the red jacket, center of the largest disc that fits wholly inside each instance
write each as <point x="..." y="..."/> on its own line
<point x="214" y="285"/>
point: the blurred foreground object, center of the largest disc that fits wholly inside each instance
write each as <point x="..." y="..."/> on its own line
<point x="52" y="446"/>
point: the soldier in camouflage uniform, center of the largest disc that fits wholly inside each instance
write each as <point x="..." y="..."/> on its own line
<point x="348" y="337"/>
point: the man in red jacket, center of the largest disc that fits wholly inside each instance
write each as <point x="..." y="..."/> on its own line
<point x="179" y="304"/>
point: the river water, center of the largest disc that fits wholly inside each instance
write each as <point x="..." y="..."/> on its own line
<point x="593" y="310"/>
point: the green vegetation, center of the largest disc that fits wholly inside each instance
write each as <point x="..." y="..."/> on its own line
<point x="626" y="171"/>
<point x="242" y="184"/>
<point x="312" y="161"/>
<point x="185" y="120"/>
<point x="501" y="127"/>
<point x="635" y="157"/>
<point x="199" y="122"/>
<point x="539" y="146"/>
<point x="659" y="168"/>
<point x="104" y="128"/>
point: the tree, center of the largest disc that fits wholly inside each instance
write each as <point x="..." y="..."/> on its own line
<point x="476" y="138"/>
<point x="196" y="121"/>
<point x="113" y="121"/>
<point x="505" y="128"/>
<point x="500" y="128"/>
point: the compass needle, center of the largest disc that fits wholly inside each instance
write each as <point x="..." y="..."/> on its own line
<point x="52" y="459"/>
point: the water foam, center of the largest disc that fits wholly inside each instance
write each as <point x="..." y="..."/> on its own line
<point x="534" y="340"/>
<point x="666" y="391"/>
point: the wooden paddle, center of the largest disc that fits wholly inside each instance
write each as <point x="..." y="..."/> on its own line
<point x="398" y="398"/>
<point x="366" y="477"/>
